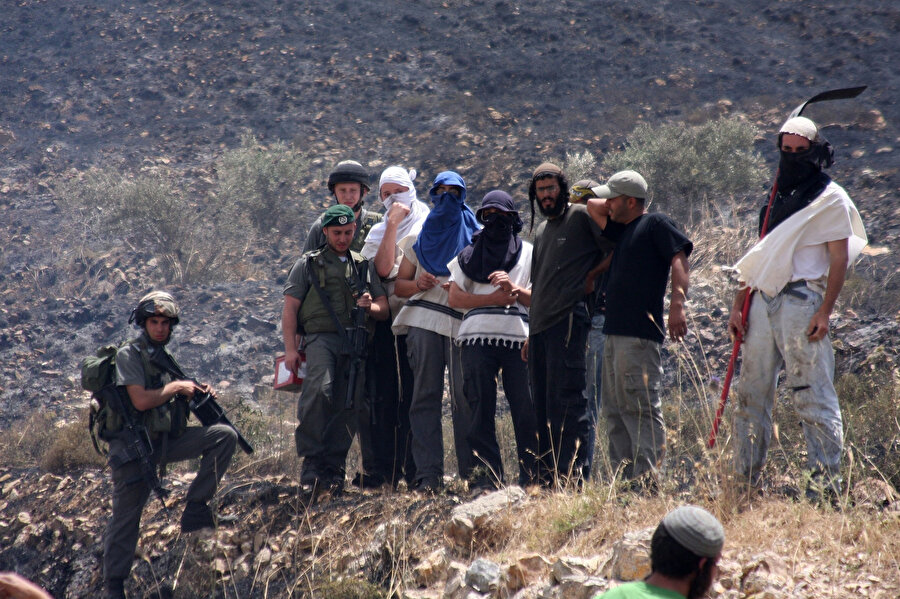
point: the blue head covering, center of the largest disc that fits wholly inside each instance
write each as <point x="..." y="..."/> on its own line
<point x="447" y="229"/>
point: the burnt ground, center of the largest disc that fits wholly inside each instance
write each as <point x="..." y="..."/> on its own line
<point x="490" y="88"/>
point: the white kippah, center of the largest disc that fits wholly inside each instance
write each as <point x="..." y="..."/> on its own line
<point x="696" y="530"/>
<point x="802" y="126"/>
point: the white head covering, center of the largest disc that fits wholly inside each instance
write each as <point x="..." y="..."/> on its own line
<point x="802" y="126"/>
<point x="418" y="210"/>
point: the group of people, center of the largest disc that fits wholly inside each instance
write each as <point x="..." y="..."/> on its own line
<point x="383" y="308"/>
<point x="453" y="292"/>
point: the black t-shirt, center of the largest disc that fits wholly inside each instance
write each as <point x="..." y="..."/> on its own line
<point x="638" y="274"/>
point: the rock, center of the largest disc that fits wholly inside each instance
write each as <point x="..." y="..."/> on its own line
<point x="765" y="573"/>
<point x="484" y="576"/>
<point x="874" y="492"/>
<point x="567" y="567"/>
<point x="467" y="518"/>
<point x="432" y="569"/>
<point x="527" y="570"/>
<point x="631" y="556"/>
<point x="582" y="587"/>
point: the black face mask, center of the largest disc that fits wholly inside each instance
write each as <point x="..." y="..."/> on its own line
<point x="501" y="226"/>
<point x="796" y="167"/>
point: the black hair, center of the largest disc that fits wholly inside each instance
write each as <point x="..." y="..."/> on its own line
<point x="532" y="192"/>
<point x="669" y="557"/>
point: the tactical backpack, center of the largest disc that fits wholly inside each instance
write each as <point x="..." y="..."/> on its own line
<point x="98" y="375"/>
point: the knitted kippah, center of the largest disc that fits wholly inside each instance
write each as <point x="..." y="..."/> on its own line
<point x="696" y="530"/>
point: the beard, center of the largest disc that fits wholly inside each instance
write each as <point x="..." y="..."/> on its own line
<point x="703" y="581"/>
<point x="556" y="209"/>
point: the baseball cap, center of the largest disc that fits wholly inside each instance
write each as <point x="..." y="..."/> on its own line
<point x="623" y="183"/>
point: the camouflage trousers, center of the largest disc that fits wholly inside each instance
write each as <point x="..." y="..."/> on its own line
<point x="776" y="337"/>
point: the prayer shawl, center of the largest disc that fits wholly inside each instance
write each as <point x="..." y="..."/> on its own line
<point x="768" y="265"/>
<point x="411" y="224"/>
<point x="429" y="309"/>
<point x="495" y="325"/>
<point x="447" y="229"/>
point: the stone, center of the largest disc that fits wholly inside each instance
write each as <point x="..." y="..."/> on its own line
<point x="582" y="587"/>
<point x="567" y="567"/>
<point x="527" y="570"/>
<point x="631" y="556"/>
<point x="467" y="518"/>
<point x="432" y="569"/>
<point x="765" y="573"/>
<point x="484" y="576"/>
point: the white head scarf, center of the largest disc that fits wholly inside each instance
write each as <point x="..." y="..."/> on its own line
<point x="418" y="210"/>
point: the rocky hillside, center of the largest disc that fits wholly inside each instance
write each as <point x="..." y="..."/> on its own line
<point x="488" y="87"/>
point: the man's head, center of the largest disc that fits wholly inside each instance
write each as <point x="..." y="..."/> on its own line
<point x="686" y="546"/>
<point x="499" y="214"/>
<point x="396" y="185"/>
<point x="448" y="182"/>
<point x="804" y="152"/>
<point x="339" y="226"/>
<point x="625" y="195"/>
<point x="582" y="191"/>
<point x="549" y="189"/>
<point x="157" y="314"/>
<point x="349" y="183"/>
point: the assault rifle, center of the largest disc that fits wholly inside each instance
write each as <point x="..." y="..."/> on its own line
<point x="203" y="405"/>
<point x="359" y="334"/>
<point x="137" y="440"/>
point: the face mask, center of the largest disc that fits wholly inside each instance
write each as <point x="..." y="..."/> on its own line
<point x="796" y="167"/>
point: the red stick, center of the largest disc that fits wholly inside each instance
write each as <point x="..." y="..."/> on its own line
<point x="739" y="338"/>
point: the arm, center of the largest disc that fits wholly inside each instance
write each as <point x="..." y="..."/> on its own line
<point x="500" y="278"/>
<point x="463" y="300"/>
<point x="598" y="211"/>
<point x="387" y="251"/>
<point x="289" y="332"/>
<point x="144" y="399"/>
<point x="407" y="285"/>
<point x="377" y="308"/>
<point x="837" y="274"/>
<point x="680" y="283"/>
<point x="591" y="278"/>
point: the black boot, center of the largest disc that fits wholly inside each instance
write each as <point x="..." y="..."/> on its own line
<point x="115" y="588"/>
<point x="197" y="516"/>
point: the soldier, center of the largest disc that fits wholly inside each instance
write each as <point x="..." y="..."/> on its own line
<point x="323" y="289"/>
<point x="349" y="184"/>
<point x="159" y="404"/>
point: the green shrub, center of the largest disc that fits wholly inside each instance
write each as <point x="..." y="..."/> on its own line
<point x="262" y="184"/>
<point x="688" y="168"/>
<point x="71" y="448"/>
<point x="151" y="214"/>
<point x="580" y="165"/>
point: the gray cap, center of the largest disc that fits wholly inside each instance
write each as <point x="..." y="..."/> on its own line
<point x="623" y="183"/>
<point x="696" y="530"/>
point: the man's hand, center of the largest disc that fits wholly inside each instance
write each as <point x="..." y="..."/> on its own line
<point x="525" y="351"/>
<point x="736" y="327"/>
<point x="396" y="213"/>
<point x="364" y="301"/>
<point x="818" y="327"/>
<point x="426" y="281"/>
<point x="292" y="360"/>
<point x="677" y="322"/>
<point x="16" y="587"/>
<point x="501" y="297"/>
<point x="500" y="278"/>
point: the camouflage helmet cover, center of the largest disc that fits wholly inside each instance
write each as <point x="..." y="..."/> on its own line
<point x="155" y="303"/>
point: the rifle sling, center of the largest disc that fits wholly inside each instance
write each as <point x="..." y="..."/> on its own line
<point x="341" y="330"/>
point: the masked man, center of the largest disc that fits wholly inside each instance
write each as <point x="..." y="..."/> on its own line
<point x="813" y="232"/>
<point x="430" y="324"/>
<point x="490" y="281"/>
<point x="322" y="291"/>
<point x="567" y="245"/>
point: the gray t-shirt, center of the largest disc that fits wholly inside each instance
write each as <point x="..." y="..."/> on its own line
<point x="566" y="248"/>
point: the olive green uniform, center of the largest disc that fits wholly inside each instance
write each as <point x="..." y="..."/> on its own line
<point x="326" y="427"/>
<point x="213" y="444"/>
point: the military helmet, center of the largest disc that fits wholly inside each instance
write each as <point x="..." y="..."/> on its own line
<point x="348" y="171"/>
<point x="155" y="303"/>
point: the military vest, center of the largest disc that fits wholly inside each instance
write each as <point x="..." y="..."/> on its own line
<point x="332" y="274"/>
<point x="367" y="220"/>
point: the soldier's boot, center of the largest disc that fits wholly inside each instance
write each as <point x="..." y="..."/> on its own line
<point x="197" y="516"/>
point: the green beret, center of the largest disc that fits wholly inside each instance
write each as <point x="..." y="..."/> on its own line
<point x="338" y="215"/>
